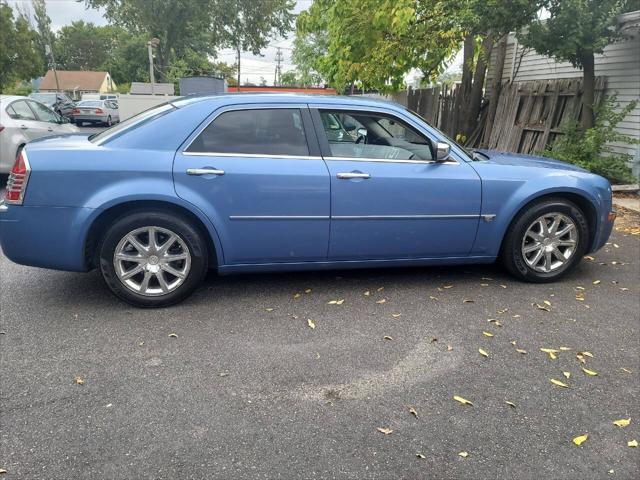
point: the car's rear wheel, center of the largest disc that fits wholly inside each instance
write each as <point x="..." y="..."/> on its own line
<point x="546" y="240"/>
<point x="152" y="259"/>
<point x="109" y="122"/>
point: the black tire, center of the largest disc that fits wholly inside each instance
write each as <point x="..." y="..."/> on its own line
<point x="512" y="256"/>
<point x="79" y="123"/>
<point x="191" y="237"/>
<point x="108" y="122"/>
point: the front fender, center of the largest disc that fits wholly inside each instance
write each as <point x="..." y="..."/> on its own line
<point x="505" y="195"/>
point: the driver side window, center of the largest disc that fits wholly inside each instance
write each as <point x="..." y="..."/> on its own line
<point x="354" y="134"/>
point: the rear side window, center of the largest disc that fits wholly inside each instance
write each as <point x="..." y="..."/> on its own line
<point x="277" y="131"/>
<point x="21" y="111"/>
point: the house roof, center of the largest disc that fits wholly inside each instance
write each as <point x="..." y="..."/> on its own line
<point x="141" y="88"/>
<point x="73" y="80"/>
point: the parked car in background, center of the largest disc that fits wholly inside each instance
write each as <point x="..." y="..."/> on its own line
<point x="100" y="96"/>
<point x="56" y="101"/>
<point x="22" y="120"/>
<point x="96" y="111"/>
<point x="249" y="183"/>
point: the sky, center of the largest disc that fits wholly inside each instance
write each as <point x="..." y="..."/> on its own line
<point x="253" y="67"/>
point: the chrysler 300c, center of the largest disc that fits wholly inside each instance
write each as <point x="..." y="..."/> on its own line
<point x="248" y="183"/>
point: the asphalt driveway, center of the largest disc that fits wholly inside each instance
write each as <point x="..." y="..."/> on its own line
<point x="235" y="382"/>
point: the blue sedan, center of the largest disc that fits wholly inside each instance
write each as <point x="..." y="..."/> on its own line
<point x="254" y="183"/>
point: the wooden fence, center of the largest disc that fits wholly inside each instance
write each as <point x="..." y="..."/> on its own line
<point x="529" y="117"/>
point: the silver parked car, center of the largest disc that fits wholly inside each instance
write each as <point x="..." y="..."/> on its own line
<point x="22" y="120"/>
<point x="96" y="111"/>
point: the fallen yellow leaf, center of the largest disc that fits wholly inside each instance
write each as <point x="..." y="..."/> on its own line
<point x="367" y="293"/>
<point x="547" y="302"/>
<point x="566" y="374"/>
<point x="564" y="349"/>
<point x="589" y="257"/>
<point x="559" y="383"/>
<point x="467" y="300"/>
<point x="297" y="295"/>
<point x="587" y="354"/>
<point x="381" y="301"/>
<point x="623" y="422"/>
<point x="487" y="334"/>
<point x="519" y="350"/>
<point x="447" y="286"/>
<point x="449" y="348"/>
<point x="413" y="412"/>
<point x="549" y="350"/>
<point x="269" y="309"/>
<point x="483" y="353"/>
<point x="596" y="282"/>
<point x="581" y="439"/>
<point x="2" y="471"/>
<point x="396" y="315"/>
<point x="541" y="307"/>
<point x="464" y="401"/>
<point x="589" y="372"/>
<point x="419" y="455"/>
<point x="340" y="302"/>
<point x="463" y="454"/>
<point x="387" y="337"/>
<point x="311" y="324"/>
<point x="385" y="431"/>
<point x="632" y="443"/>
<point x="511" y="404"/>
<point x="173" y="335"/>
<point x="79" y="381"/>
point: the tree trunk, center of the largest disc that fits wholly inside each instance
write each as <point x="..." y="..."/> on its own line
<point x="589" y="85"/>
<point x="461" y="107"/>
<point x="496" y="86"/>
<point x="475" y="97"/>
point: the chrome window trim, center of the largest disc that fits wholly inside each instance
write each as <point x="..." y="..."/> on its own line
<point x="249" y="106"/>
<point x="279" y="217"/>
<point x="248" y="155"/>
<point x="388" y="160"/>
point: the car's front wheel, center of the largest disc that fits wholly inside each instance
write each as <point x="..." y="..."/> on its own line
<point x="546" y="240"/>
<point x="152" y="259"/>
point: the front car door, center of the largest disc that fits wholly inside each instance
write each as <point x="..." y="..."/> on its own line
<point x="256" y="171"/>
<point x="27" y="122"/>
<point x="389" y="198"/>
<point x="49" y="120"/>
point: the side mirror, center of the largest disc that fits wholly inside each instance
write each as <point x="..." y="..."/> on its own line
<point x="443" y="150"/>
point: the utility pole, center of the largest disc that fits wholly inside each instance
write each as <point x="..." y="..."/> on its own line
<point x="151" y="44"/>
<point x="238" y="53"/>
<point x="279" y="59"/>
<point x="49" y="51"/>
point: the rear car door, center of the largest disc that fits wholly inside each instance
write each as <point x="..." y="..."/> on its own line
<point x="256" y="172"/>
<point x="26" y="119"/>
<point x="389" y="198"/>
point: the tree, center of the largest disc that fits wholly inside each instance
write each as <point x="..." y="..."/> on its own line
<point x="199" y="26"/>
<point x="19" y="58"/>
<point x="45" y="37"/>
<point x="83" y="46"/>
<point x="307" y="49"/>
<point x="575" y="31"/>
<point x="289" y="79"/>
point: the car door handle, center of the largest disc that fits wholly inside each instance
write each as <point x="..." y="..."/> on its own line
<point x="50" y="129"/>
<point x="24" y="127"/>
<point x="349" y="175"/>
<point x="204" y="171"/>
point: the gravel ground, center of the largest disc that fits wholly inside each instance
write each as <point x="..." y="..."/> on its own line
<point x="234" y="383"/>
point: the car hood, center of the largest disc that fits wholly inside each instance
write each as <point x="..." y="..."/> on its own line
<point x="520" y="159"/>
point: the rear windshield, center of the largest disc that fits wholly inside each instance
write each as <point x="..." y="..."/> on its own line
<point x="132" y="123"/>
<point x="44" y="97"/>
<point x="90" y="104"/>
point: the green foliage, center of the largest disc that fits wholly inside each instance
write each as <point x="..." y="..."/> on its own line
<point x="289" y="79"/>
<point x="44" y="35"/>
<point x="188" y="28"/>
<point x="19" y="58"/>
<point x="23" y="89"/>
<point x="575" y="28"/>
<point x="376" y="42"/>
<point x="591" y="150"/>
<point x="83" y="46"/>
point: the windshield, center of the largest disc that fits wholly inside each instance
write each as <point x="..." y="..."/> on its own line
<point x="90" y="104"/>
<point x="464" y="150"/>
<point x="132" y="123"/>
<point x="44" y="97"/>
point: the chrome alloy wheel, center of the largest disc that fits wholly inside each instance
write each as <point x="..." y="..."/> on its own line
<point x="152" y="261"/>
<point x="549" y="242"/>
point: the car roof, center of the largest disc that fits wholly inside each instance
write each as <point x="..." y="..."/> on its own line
<point x="271" y="98"/>
<point x="11" y="98"/>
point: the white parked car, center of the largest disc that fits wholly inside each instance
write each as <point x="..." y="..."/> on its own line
<point x="96" y="111"/>
<point x="22" y="120"/>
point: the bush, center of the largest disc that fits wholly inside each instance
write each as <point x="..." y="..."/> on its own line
<point x="591" y="149"/>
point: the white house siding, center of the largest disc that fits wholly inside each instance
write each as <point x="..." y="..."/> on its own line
<point x="620" y="63"/>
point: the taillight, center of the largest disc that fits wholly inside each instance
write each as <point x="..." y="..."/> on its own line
<point x="76" y="110"/>
<point x="99" y="110"/>
<point x="17" y="183"/>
